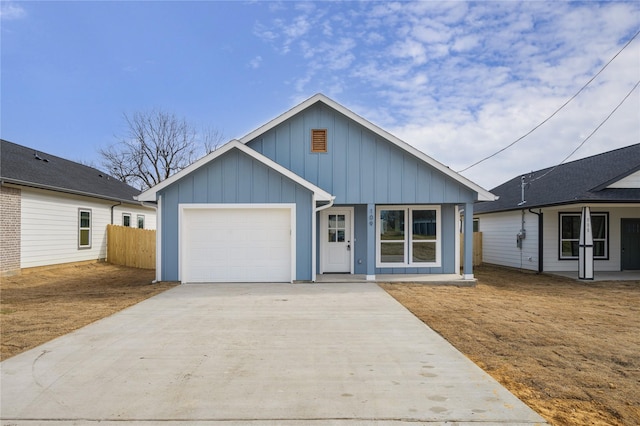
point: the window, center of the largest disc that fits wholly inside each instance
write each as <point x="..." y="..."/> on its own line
<point x="408" y="236"/>
<point x="126" y="219"/>
<point x="570" y="235"/>
<point x="141" y="221"/>
<point x="84" y="228"/>
<point x="319" y="140"/>
<point x="476" y="225"/>
<point x="336" y="228"/>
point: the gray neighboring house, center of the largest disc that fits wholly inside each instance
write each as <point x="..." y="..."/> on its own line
<point x="55" y="211"/>
<point x="317" y="190"/>
<point x="541" y="230"/>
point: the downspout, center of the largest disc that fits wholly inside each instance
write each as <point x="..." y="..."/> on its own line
<point x="540" y="240"/>
<point x="326" y="206"/>
<point x="115" y="205"/>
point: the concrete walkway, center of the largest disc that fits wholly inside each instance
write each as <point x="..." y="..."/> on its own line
<point x="258" y="354"/>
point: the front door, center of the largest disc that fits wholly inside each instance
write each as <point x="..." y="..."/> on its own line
<point x="630" y="244"/>
<point x="336" y="241"/>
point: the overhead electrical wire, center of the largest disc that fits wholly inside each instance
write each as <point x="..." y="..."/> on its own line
<point x="590" y="134"/>
<point x="557" y="110"/>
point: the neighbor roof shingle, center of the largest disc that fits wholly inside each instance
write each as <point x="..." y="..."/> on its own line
<point x="583" y="180"/>
<point x="26" y="166"/>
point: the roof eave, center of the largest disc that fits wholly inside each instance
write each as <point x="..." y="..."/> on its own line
<point x="151" y="193"/>
<point x="36" y="185"/>
<point x="483" y="194"/>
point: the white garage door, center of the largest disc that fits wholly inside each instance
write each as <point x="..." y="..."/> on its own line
<point x="236" y="244"/>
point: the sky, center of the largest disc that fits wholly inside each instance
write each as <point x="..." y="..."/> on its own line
<point x="457" y="80"/>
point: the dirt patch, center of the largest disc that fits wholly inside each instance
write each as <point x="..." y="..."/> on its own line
<point x="570" y="350"/>
<point x="38" y="306"/>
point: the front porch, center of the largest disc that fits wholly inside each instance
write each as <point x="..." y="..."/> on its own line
<point x="431" y="279"/>
<point x="603" y="276"/>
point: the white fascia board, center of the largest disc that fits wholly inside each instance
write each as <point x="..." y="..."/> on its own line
<point x="151" y="193"/>
<point x="483" y="194"/>
<point x="321" y="194"/>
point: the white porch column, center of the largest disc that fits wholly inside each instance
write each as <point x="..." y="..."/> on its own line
<point x="585" y="250"/>
<point x="371" y="242"/>
<point x="468" y="241"/>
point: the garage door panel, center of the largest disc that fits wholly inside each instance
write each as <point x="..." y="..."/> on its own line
<point x="236" y="245"/>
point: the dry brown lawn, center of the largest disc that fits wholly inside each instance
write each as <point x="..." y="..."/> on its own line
<point x="570" y="350"/>
<point x="41" y="305"/>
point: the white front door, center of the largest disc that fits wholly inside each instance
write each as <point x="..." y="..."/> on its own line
<point x="336" y="240"/>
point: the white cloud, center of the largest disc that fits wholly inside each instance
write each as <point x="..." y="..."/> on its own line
<point x="11" y="11"/>
<point x="462" y="80"/>
<point x="256" y="62"/>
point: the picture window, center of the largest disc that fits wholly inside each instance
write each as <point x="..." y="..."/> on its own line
<point x="408" y="236"/>
<point x="570" y="235"/>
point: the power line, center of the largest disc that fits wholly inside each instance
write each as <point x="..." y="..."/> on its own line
<point x="556" y="111"/>
<point x="590" y="134"/>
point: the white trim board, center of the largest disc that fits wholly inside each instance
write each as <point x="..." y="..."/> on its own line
<point x="324" y="215"/>
<point x="151" y="193"/>
<point x="483" y="194"/>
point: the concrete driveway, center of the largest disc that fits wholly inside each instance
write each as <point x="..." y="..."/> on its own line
<point x="267" y="354"/>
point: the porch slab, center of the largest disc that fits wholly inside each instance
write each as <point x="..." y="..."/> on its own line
<point x="431" y="279"/>
<point x="603" y="276"/>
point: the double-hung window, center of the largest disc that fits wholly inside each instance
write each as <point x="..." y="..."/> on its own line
<point x="408" y="236"/>
<point x="84" y="228"/>
<point x="570" y="235"/>
<point x="141" y="221"/>
<point x="126" y="219"/>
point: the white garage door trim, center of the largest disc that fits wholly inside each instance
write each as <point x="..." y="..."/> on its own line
<point x="183" y="264"/>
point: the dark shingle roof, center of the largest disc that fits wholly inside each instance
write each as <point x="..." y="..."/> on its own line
<point x="579" y="181"/>
<point x="26" y="166"/>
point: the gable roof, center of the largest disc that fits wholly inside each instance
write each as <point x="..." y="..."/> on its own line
<point x="150" y="194"/>
<point x="483" y="194"/>
<point x="20" y="165"/>
<point x="587" y="180"/>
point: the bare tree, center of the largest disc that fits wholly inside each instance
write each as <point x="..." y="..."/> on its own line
<point x="211" y="139"/>
<point x="158" y="145"/>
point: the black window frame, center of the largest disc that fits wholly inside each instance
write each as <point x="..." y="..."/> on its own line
<point x="578" y="215"/>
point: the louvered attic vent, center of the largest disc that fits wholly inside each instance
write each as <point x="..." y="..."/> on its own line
<point x="319" y="140"/>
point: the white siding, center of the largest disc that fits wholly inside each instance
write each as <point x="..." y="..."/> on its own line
<point x="134" y="211"/>
<point x="631" y="181"/>
<point x="49" y="228"/>
<point x="552" y="263"/>
<point x="499" y="232"/>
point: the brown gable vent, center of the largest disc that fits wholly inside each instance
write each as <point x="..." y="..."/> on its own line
<point x="319" y="140"/>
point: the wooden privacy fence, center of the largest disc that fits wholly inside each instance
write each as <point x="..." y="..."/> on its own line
<point x="477" y="249"/>
<point x="131" y="247"/>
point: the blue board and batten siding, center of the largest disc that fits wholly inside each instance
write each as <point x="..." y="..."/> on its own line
<point x="362" y="169"/>
<point x="235" y="178"/>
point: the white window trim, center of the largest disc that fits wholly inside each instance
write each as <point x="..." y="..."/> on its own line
<point x="408" y="246"/>
<point x="138" y="221"/>
<point x="123" y="216"/>
<point x="80" y="228"/>
<point x="605" y="239"/>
